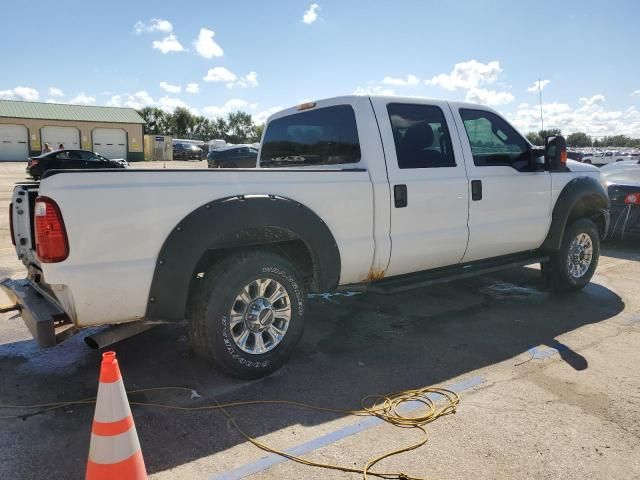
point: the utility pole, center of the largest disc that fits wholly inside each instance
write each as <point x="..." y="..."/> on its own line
<point x="540" y="92"/>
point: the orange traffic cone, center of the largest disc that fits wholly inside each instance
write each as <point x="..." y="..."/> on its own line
<point x="114" y="453"/>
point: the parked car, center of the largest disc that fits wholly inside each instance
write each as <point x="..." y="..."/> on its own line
<point x="233" y="156"/>
<point x="600" y="159"/>
<point x="374" y="193"/>
<point x="578" y="156"/>
<point x="623" y="187"/>
<point x="187" y="151"/>
<point x="67" y="160"/>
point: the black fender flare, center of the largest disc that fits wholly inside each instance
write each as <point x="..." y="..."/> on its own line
<point x="244" y="220"/>
<point x="574" y="194"/>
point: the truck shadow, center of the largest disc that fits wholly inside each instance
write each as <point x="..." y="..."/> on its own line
<point x="353" y="346"/>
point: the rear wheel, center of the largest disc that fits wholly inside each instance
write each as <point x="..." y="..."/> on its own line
<point x="248" y="313"/>
<point x="572" y="267"/>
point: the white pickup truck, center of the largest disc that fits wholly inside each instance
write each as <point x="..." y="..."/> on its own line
<point x="382" y="193"/>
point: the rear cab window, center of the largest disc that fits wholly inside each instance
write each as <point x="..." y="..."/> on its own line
<point x="323" y="136"/>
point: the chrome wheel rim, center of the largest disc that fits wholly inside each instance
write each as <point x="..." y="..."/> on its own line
<point x="580" y="255"/>
<point x="260" y="316"/>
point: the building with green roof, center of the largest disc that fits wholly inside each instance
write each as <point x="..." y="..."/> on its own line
<point x="25" y="128"/>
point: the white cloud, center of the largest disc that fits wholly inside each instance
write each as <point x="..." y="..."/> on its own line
<point x="411" y="80"/>
<point x="636" y="93"/>
<point x="534" y="88"/>
<point x="192" y="88"/>
<point x="219" y="74"/>
<point x="168" y="87"/>
<point x="311" y="15"/>
<point x="249" y="80"/>
<point x="83" y="99"/>
<point x="55" y="92"/>
<point x="466" y="75"/>
<point x="229" y="106"/>
<point x="488" y="97"/>
<point x="261" y="117"/>
<point x="373" y="90"/>
<point x="169" y="104"/>
<point x="138" y="100"/>
<point x="205" y="46"/>
<point x="20" y="93"/>
<point x="114" y="101"/>
<point x="154" y="25"/>
<point x="590" y="117"/>
<point x="592" y="101"/>
<point x="168" y="44"/>
<point x="142" y="99"/>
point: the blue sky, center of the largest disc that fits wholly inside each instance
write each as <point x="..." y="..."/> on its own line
<point x="260" y="56"/>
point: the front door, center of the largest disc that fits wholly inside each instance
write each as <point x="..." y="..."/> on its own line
<point x="429" y="187"/>
<point x="510" y="204"/>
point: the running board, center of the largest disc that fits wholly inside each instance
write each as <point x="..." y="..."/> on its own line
<point x="427" y="278"/>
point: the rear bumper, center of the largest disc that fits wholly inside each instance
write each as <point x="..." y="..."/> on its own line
<point x="45" y="319"/>
<point x="625" y="221"/>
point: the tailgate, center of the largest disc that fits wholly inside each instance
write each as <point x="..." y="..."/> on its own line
<point x="22" y="203"/>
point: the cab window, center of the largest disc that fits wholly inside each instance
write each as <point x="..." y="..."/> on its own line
<point x="493" y="141"/>
<point x="421" y="136"/>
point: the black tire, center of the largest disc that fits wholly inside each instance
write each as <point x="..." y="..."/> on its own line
<point x="209" y="321"/>
<point x="556" y="271"/>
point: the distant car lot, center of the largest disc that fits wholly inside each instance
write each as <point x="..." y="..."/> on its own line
<point x="557" y="395"/>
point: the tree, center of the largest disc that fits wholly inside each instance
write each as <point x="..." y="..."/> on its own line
<point x="156" y="121"/>
<point x="579" y="139"/>
<point x="241" y="128"/>
<point x="182" y="123"/>
<point x="258" y="130"/>
<point x="549" y="133"/>
<point x="539" y="138"/>
<point x="534" y="138"/>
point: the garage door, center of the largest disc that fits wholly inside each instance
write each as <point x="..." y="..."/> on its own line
<point x="110" y="142"/>
<point x="13" y="143"/>
<point x="67" y="136"/>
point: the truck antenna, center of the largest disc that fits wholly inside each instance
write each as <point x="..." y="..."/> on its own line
<point x="540" y="93"/>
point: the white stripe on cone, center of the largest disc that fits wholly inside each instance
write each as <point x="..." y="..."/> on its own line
<point x="112" y="404"/>
<point x="114" y="448"/>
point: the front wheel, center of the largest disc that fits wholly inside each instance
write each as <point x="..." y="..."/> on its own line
<point x="571" y="267"/>
<point x="248" y="313"/>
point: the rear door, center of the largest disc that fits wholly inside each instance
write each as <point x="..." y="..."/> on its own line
<point x="429" y="187"/>
<point x="510" y="207"/>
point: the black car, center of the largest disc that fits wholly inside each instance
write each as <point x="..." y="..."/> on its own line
<point x="233" y="156"/>
<point x="187" y="151"/>
<point x="68" y="160"/>
<point x="623" y="186"/>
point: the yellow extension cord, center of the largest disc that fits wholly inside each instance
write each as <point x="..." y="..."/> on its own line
<point x="385" y="407"/>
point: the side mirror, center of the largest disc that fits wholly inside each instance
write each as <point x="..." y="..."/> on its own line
<point x="555" y="153"/>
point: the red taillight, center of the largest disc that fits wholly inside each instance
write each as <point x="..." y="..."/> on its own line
<point x="51" y="237"/>
<point x="33" y="162"/>
<point x="632" y="199"/>
<point x="13" y="238"/>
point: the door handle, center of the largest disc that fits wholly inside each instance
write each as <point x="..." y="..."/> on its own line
<point x="400" y="196"/>
<point x="476" y="190"/>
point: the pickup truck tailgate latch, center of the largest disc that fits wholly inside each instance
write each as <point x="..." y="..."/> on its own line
<point x="400" y="196"/>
